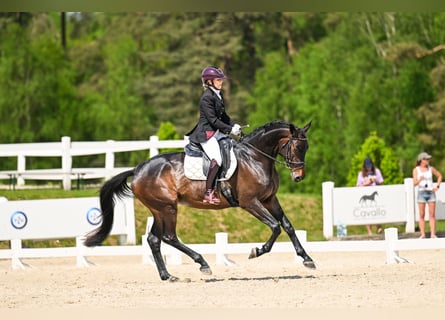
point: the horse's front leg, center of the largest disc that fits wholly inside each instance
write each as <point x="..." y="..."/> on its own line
<point x="259" y="212"/>
<point x="307" y="261"/>
<point x="275" y="208"/>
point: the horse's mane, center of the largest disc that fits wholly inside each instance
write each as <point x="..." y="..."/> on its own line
<point x="267" y="127"/>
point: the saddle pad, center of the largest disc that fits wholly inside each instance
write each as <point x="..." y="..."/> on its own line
<point x="193" y="167"/>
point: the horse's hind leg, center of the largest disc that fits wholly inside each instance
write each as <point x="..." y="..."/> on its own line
<point x="154" y="241"/>
<point x="198" y="258"/>
<point x="169" y="236"/>
<point x="164" y="228"/>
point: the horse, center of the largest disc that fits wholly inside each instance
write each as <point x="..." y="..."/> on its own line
<point x="371" y="198"/>
<point x="160" y="184"/>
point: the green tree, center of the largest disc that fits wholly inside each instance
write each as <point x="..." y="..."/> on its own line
<point x="37" y="95"/>
<point x="167" y="131"/>
<point x="383" y="157"/>
<point x="124" y="74"/>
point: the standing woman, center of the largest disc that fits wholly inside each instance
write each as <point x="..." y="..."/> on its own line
<point x="423" y="178"/>
<point x="213" y="125"/>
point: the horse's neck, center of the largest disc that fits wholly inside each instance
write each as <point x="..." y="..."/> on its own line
<point x="269" y="141"/>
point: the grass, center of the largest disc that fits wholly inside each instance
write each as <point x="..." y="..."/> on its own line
<point x="199" y="226"/>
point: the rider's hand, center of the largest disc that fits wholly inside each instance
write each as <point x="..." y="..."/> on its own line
<point x="236" y="129"/>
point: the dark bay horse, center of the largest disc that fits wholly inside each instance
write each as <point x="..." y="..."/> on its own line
<point x="160" y="184"/>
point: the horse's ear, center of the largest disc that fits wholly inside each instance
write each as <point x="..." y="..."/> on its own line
<point x="307" y="127"/>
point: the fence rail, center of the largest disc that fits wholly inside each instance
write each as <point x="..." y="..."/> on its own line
<point x="67" y="149"/>
<point x="389" y="247"/>
<point x="29" y="220"/>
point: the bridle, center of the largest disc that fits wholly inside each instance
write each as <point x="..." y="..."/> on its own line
<point x="292" y="164"/>
<point x="288" y="163"/>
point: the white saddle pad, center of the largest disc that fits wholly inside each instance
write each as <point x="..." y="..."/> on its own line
<point x="193" y="167"/>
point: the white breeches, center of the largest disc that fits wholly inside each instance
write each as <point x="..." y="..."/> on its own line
<point x="211" y="147"/>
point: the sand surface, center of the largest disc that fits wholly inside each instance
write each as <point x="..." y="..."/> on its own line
<point x="355" y="281"/>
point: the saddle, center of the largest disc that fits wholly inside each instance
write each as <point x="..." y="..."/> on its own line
<point x="197" y="163"/>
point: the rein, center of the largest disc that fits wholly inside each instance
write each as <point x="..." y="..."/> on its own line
<point x="288" y="164"/>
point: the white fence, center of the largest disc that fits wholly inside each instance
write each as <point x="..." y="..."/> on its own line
<point x="221" y="249"/>
<point x="67" y="149"/>
<point x="374" y="205"/>
<point x="74" y="217"/>
<point x="58" y="219"/>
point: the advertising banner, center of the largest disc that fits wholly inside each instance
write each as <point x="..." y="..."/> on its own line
<point x="369" y="205"/>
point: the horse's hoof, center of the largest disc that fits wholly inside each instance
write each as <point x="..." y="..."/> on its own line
<point x="176" y="279"/>
<point x="173" y="279"/>
<point x="309" y="264"/>
<point x="165" y="276"/>
<point x="206" y="270"/>
<point x="253" y="253"/>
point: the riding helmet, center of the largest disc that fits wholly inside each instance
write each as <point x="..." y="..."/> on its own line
<point x="210" y="73"/>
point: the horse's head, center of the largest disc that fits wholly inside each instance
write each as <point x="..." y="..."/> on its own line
<point x="294" y="151"/>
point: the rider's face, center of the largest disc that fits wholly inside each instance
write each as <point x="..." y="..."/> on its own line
<point x="217" y="83"/>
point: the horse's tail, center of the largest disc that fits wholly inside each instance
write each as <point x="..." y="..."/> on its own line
<point x="116" y="186"/>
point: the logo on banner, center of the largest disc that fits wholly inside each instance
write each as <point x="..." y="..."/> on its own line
<point x="94" y="216"/>
<point x="19" y="220"/>
<point x="368" y="200"/>
<point x="368" y="208"/>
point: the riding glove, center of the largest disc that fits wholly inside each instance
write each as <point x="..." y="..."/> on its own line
<point x="236" y="129"/>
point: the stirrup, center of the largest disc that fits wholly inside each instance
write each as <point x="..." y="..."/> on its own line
<point x="210" y="197"/>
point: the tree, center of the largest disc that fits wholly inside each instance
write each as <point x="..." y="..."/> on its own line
<point x="167" y="131"/>
<point x="36" y="91"/>
<point x="383" y="158"/>
<point x="123" y="75"/>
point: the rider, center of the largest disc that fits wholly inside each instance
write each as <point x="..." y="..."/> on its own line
<point x="213" y="125"/>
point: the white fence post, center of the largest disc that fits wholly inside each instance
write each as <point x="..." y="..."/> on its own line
<point x="81" y="260"/>
<point x="66" y="162"/>
<point x="16" y="247"/>
<point x="154" y="142"/>
<point x="221" y="242"/>
<point x="410" y="212"/>
<point x="21" y="167"/>
<point x="392" y="255"/>
<point x="127" y="206"/>
<point x="109" y="160"/>
<point x="327" y="191"/>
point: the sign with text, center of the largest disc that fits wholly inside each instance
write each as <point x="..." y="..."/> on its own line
<point x="369" y="205"/>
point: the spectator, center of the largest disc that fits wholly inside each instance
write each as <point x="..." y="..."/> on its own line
<point x="369" y="175"/>
<point x="426" y="191"/>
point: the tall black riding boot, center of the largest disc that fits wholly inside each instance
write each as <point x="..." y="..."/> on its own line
<point x="209" y="195"/>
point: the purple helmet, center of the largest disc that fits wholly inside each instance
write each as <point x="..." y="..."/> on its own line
<point x="211" y="73"/>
